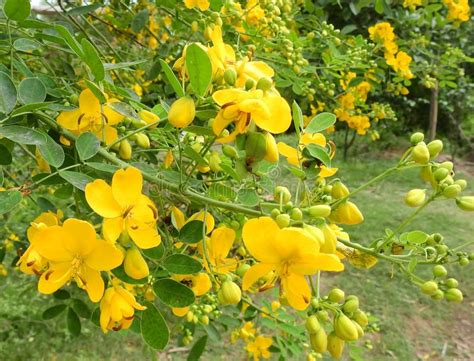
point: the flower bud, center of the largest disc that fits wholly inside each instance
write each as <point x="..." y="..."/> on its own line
<point x="360" y="330"/>
<point x="249" y="84"/>
<point x="135" y="265"/>
<point x="148" y="117"/>
<point x="454" y="295"/>
<point x="296" y="214"/>
<point x="429" y="288"/>
<point x="230" y="76"/>
<point x="426" y="174"/>
<point x="452" y="282"/>
<point x="417" y="138"/>
<point x="462" y="183"/>
<point x="242" y="269"/>
<point x="351" y="305"/>
<point x="214" y="162"/>
<point x="452" y="191"/>
<point x="315" y="233"/>
<point x="319" y="341"/>
<point x="415" y="197"/>
<point x="230" y="293"/>
<point x="320" y="210"/>
<point x="448" y="165"/>
<point x="255" y="146"/>
<point x="142" y="141"/>
<point x="345" y="329"/>
<point x="421" y="153"/>
<point x="435" y="147"/>
<point x="312" y="324"/>
<point x="438" y="295"/>
<point x="182" y="112"/>
<point x="283" y="220"/>
<point x="439" y="271"/>
<point x="282" y="194"/>
<point x="348" y="213"/>
<point x="339" y="190"/>
<point x="229" y="151"/>
<point x="463" y="261"/>
<point x="336" y="295"/>
<point x="466" y="203"/>
<point x="264" y="83"/>
<point x="272" y="154"/>
<point x="125" y="150"/>
<point x="440" y="174"/>
<point x="335" y="345"/>
<point x="361" y="318"/>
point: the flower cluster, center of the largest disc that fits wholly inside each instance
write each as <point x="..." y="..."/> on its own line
<point x="458" y="10"/>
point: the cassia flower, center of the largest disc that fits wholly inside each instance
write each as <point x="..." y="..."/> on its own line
<point x="259" y="347"/>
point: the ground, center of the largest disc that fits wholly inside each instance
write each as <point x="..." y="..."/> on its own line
<point x="412" y="326"/>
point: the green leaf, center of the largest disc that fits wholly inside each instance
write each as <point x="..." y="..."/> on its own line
<point x="52" y="152"/>
<point x="23" y="135"/>
<point x="297" y="118"/>
<point x="31" y="90"/>
<point x="9" y="200"/>
<point x="119" y="272"/>
<point x="416" y="237"/>
<point x="29" y="108"/>
<point x="191" y="232"/>
<point x="81" y="10"/>
<point x="198" y="130"/>
<point x="318" y="152"/>
<point x="103" y="167"/>
<point x="92" y="59"/>
<point x="17" y="10"/>
<point x="77" y="179"/>
<point x="173" y="293"/>
<point x="155" y="332"/>
<point x="81" y="308"/>
<point x="297" y="172"/>
<point x="23" y="44"/>
<point x="7" y="94"/>
<point x="199" y="69"/>
<point x="64" y="192"/>
<point x="379" y="6"/>
<point x="87" y="145"/>
<point x="5" y="155"/>
<point x="62" y="295"/>
<point x="174" y="82"/>
<point x="320" y="122"/>
<point x="248" y="197"/>
<point x="123" y="65"/>
<point x="155" y="253"/>
<point x="182" y="264"/>
<point x="197" y="349"/>
<point x="96" y="90"/>
<point x="70" y="40"/>
<point x="139" y="20"/>
<point x="73" y="323"/>
<point x="53" y="312"/>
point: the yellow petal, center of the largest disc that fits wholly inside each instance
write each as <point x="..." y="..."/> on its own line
<point x="177" y="218"/>
<point x="112" y="117"/>
<point x="325" y="172"/>
<point x="280" y="115"/>
<point x="316" y="138"/>
<point x="328" y="262"/>
<point x="297" y="291"/>
<point x="289" y="152"/>
<point x="49" y="243"/>
<point x="258" y="235"/>
<point x="225" y="96"/>
<point x="210" y="222"/>
<point x="256" y="272"/>
<point x="201" y="284"/>
<point x="180" y="311"/>
<point x="221" y="242"/>
<point x="258" y="109"/>
<point x="88" y="103"/>
<point x="104" y="257"/>
<point x="93" y="283"/>
<point x="72" y="120"/>
<point x="54" y="278"/>
<point x="100" y="198"/>
<point x="106" y="134"/>
<point x="127" y="186"/>
<point x="144" y="238"/>
<point x="80" y="238"/>
<point x="220" y="123"/>
<point x="104" y="318"/>
<point x="112" y="228"/>
<point x="290" y="243"/>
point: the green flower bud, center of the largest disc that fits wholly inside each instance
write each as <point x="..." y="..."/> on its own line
<point x="454" y="295"/>
<point x="230" y="76"/>
<point x="417" y="138"/>
<point x="229" y="151"/>
<point x="339" y="190"/>
<point x="282" y="193"/>
<point x="322" y="315"/>
<point x="125" y="150"/>
<point x="435" y="147"/>
<point x="448" y="165"/>
<point x="249" y="84"/>
<point x="296" y="214"/>
<point x="351" y="305"/>
<point x="415" y="197"/>
<point x="452" y="283"/>
<point x="335" y="345"/>
<point x="336" y="295"/>
<point x="242" y="269"/>
<point x="361" y="318"/>
<point x="452" y="191"/>
<point x="264" y="83"/>
<point x="426" y="174"/>
<point x="462" y="183"/>
<point x="283" y="220"/>
<point x="438" y="295"/>
<point x="275" y="212"/>
<point x="463" y="261"/>
<point x="345" y="329"/>
<point x="230" y="293"/>
<point x="319" y="341"/>
<point x="439" y="271"/>
<point x="142" y="141"/>
<point x="437" y="237"/>
<point x="320" y="210"/>
<point x="429" y="288"/>
<point x="312" y="324"/>
<point x="466" y="203"/>
<point x="255" y="146"/>
<point x="421" y="154"/>
<point x="440" y="174"/>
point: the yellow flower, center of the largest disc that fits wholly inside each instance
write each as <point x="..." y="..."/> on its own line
<point x="412" y="4"/>
<point x="74" y="252"/>
<point x="134" y="264"/>
<point x="458" y="10"/>
<point x="259" y="347"/>
<point x="168" y="161"/>
<point x="125" y="208"/>
<point x="92" y="117"/>
<point x="117" y="309"/>
<point x="290" y="252"/>
<point x="199" y="283"/>
<point x="247" y="331"/>
<point x="269" y="111"/>
<point x="401" y="64"/>
<point x="222" y="55"/>
<point x="218" y="247"/>
<point x="254" y="70"/>
<point x="203" y="5"/>
<point x="347" y="213"/>
<point x="382" y="32"/>
<point x="31" y="262"/>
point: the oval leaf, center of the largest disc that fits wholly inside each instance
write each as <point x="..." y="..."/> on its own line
<point x="199" y="69"/>
<point x="53" y="312"/>
<point x="182" y="264"/>
<point x="7" y="94"/>
<point x="155" y="332"/>
<point x="173" y="293"/>
<point x="8" y="200"/>
<point x="87" y="145"/>
<point x="77" y="179"/>
<point x="92" y="59"/>
<point x="52" y="152"/>
<point x="73" y="323"/>
<point x="23" y="135"/>
<point x="174" y="82"/>
<point x="320" y="122"/>
<point x="318" y="152"/>
<point x="191" y="232"/>
<point x="31" y="90"/>
<point x="197" y="349"/>
<point x="17" y="10"/>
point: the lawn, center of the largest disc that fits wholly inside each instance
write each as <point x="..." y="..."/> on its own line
<point x="412" y="326"/>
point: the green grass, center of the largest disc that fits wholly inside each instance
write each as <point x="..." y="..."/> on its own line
<point x="412" y="326"/>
